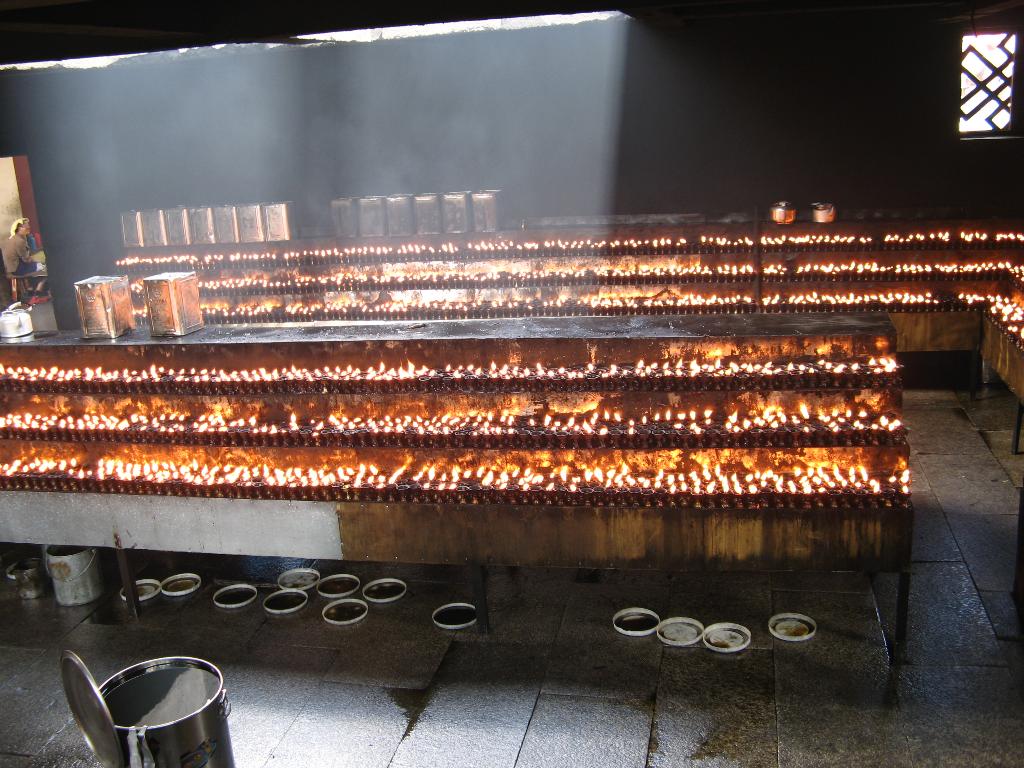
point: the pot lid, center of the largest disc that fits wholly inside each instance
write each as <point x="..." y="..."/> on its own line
<point x="90" y="710"/>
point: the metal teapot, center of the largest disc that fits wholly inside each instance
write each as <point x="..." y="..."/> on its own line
<point x="15" y="322"/>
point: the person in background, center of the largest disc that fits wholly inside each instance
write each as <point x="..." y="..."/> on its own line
<point x="18" y="262"/>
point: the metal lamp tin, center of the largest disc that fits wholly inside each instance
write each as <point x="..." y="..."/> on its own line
<point x="172" y="303"/>
<point x="104" y="307"/>
<point x="823" y="213"/>
<point x="783" y="212"/>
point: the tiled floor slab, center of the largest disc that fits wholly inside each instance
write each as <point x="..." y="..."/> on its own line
<point x="478" y="709"/>
<point x="929" y="398"/>
<point x="948" y="623"/>
<point x="342" y="726"/>
<point x="942" y="430"/>
<point x="715" y="710"/>
<point x="576" y="732"/>
<point x="969" y="484"/>
<point x="1002" y="612"/>
<point x="933" y="539"/>
<point x="269" y="686"/>
<point x="988" y="544"/>
<point x="961" y="716"/>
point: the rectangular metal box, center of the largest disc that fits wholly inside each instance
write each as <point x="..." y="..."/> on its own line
<point x="277" y="221"/>
<point x="225" y="224"/>
<point x="250" y="223"/>
<point x="176" y="224"/>
<point x="131" y="229"/>
<point x="200" y="225"/>
<point x="485" y="210"/>
<point x="400" y="218"/>
<point x="373" y="217"/>
<point x="345" y="217"/>
<point x="427" y="210"/>
<point x="104" y="307"/>
<point x="154" y="230"/>
<point x="172" y="301"/>
<point x="455" y="212"/>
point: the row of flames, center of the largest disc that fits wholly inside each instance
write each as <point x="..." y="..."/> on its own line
<point x="463" y="279"/>
<point x="218" y="311"/>
<point x="436" y="476"/>
<point x="816" y="373"/>
<point x="642" y="246"/>
<point x="697" y="423"/>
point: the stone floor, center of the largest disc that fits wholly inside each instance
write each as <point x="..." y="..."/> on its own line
<point x="553" y="685"/>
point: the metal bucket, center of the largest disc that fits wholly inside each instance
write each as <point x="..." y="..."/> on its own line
<point x="183" y="705"/>
<point x="29" y="577"/>
<point x="76" y="574"/>
<point x="400" y="218"/>
<point x="485" y="210"/>
<point x="373" y="217"/>
<point x="428" y="213"/>
<point x="455" y="212"/>
<point x="343" y="213"/>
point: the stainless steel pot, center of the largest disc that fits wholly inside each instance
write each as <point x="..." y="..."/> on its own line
<point x="823" y="213"/>
<point x="165" y="713"/>
<point x="783" y="213"/>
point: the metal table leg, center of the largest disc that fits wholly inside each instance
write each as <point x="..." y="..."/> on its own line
<point x="902" y="617"/>
<point x="131" y="595"/>
<point x="478" y="574"/>
<point x="895" y="646"/>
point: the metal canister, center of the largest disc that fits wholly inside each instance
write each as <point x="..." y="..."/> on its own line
<point x="400" y="216"/>
<point x="427" y="210"/>
<point x="172" y="303"/>
<point x="104" y="307"/>
<point x="277" y="221"/>
<point x="373" y="217"/>
<point x="455" y="212"/>
<point x="346" y="220"/>
<point x="225" y="224"/>
<point x="485" y="210"/>
<point x="154" y="231"/>
<point x="250" y="223"/>
<point x="200" y="225"/>
<point x="30" y="578"/>
<point x="783" y="212"/>
<point x="176" y="223"/>
<point x="170" y="712"/>
<point x="131" y="229"/>
<point x="823" y="213"/>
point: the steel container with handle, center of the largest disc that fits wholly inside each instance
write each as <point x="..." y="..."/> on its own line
<point x="162" y="713"/>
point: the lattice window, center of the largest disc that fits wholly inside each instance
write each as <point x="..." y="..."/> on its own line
<point x="986" y="82"/>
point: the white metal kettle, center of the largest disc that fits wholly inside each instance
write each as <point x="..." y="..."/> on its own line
<point x="15" y="322"/>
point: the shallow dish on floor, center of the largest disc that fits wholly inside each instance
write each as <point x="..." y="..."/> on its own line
<point x="348" y="610"/>
<point x="385" y="590"/>
<point x="726" y="637"/>
<point x="146" y="589"/>
<point x="337" y="586"/>
<point x="680" y="631"/>
<point x="636" y="622"/>
<point x="792" y="627"/>
<point x="285" y="601"/>
<point x="234" y="596"/>
<point x="455" y="616"/>
<point x="181" y="584"/>
<point x="299" y="578"/>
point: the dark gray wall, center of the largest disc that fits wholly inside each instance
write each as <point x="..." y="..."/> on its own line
<point x="606" y="117"/>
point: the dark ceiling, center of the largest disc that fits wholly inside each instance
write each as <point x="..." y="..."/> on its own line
<point x="41" y="30"/>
